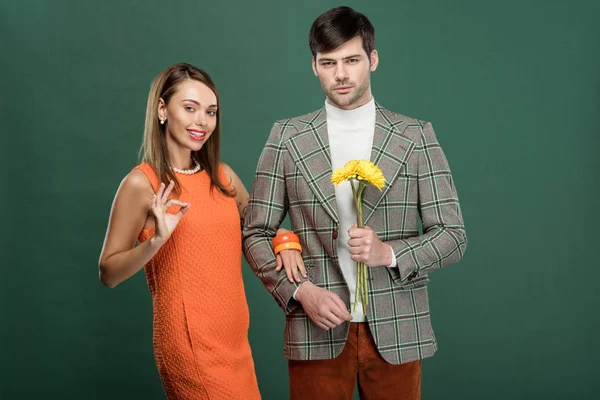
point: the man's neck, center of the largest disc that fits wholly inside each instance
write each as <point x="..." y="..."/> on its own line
<point x="360" y="116"/>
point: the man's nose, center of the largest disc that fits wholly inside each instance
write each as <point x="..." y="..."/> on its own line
<point x="341" y="73"/>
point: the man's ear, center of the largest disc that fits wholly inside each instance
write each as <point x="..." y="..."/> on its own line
<point x="374" y="60"/>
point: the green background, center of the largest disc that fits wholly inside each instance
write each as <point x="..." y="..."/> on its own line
<point x="512" y="89"/>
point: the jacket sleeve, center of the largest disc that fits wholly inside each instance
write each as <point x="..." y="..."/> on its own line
<point x="444" y="240"/>
<point x="267" y="207"/>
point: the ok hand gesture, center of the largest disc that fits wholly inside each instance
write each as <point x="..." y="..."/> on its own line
<point x="165" y="222"/>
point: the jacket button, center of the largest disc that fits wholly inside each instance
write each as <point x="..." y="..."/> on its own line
<point x="334" y="234"/>
<point x="412" y="275"/>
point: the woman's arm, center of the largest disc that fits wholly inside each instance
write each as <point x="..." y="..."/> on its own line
<point x="241" y="194"/>
<point x="290" y="260"/>
<point x="134" y="203"/>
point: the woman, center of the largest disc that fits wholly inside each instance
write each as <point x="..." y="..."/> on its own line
<point x="180" y="205"/>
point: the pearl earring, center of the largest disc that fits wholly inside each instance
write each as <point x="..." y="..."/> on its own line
<point x="162" y="121"/>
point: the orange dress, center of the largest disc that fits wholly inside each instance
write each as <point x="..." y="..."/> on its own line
<point x="201" y="316"/>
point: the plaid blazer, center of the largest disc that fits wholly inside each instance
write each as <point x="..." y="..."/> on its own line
<point x="293" y="177"/>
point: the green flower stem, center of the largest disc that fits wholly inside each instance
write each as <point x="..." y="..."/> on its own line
<point x="365" y="297"/>
<point x="361" y="269"/>
<point x="357" y="291"/>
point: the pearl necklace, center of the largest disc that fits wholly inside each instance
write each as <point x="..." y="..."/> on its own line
<point x="188" y="171"/>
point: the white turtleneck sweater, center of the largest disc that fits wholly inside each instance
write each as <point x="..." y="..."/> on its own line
<point x="350" y="138"/>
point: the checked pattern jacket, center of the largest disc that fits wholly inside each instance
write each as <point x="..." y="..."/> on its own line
<point x="293" y="178"/>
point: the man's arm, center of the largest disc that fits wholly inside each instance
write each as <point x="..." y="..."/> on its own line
<point x="267" y="208"/>
<point x="444" y="240"/>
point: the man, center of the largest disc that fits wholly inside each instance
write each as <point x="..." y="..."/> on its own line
<point x="329" y="346"/>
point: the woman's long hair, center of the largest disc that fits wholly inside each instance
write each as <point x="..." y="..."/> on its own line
<point x="154" y="146"/>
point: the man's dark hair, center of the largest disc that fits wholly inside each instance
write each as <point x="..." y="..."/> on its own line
<point x="338" y="25"/>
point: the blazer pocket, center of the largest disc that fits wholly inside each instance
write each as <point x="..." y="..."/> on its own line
<point x="405" y="186"/>
<point x="407" y="175"/>
<point x="417" y="282"/>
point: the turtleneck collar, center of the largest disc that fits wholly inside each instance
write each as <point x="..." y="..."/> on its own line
<point x="360" y="116"/>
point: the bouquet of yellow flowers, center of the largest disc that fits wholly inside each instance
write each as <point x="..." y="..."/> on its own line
<point x="359" y="173"/>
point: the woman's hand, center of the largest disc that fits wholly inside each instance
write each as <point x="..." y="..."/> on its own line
<point x="165" y="222"/>
<point x="291" y="261"/>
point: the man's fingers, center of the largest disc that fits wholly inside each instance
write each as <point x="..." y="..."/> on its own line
<point x="357" y="257"/>
<point x="320" y="325"/>
<point x="357" y="233"/>
<point x="331" y="318"/>
<point x="355" y="242"/>
<point x="340" y="311"/>
<point x="335" y="313"/>
<point x="327" y="310"/>
<point x="355" y="250"/>
<point x="338" y="308"/>
<point x="328" y="323"/>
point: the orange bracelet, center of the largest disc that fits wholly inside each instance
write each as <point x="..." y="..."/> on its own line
<point x="288" y="246"/>
<point x="284" y="238"/>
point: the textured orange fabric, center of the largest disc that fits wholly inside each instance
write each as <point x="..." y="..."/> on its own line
<point x="201" y="316"/>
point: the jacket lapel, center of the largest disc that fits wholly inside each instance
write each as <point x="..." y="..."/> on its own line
<point x="390" y="153"/>
<point x="310" y="151"/>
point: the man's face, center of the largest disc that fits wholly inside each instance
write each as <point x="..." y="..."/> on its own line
<point x="345" y="74"/>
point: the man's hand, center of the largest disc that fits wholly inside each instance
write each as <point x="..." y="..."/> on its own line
<point x="365" y="247"/>
<point x="323" y="307"/>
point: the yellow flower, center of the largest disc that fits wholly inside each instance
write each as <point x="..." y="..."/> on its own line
<point x="369" y="172"/>
<point x="362" y="170"/>
<point x="346" y="173"/>
<point x="366" y="173"/>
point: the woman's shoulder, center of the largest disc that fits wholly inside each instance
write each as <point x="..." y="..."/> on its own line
<point x="225" y="169"/>
<point x="142" y="177"/>
<point x="138" y="181"/>
<point x="227" y="174"/>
